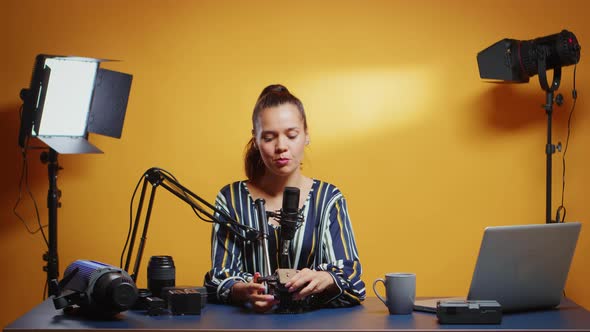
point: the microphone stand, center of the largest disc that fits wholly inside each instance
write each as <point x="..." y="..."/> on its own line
<point x="276" y="280"/>
<point x="263" y="228"/>
<point x="285" y="262"/>
<point x="158" y="178"/>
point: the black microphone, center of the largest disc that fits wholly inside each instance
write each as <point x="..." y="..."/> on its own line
<point x="290" y="220"/>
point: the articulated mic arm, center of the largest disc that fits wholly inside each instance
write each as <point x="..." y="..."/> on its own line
<point x="159" y="178"/>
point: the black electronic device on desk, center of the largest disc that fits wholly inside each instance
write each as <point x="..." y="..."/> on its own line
<point x="469" y="312"/>
<point x="94" y="288"/>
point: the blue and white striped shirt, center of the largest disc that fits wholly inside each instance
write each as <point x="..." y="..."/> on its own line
<point x="324" y="242"/>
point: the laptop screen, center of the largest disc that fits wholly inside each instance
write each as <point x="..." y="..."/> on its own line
<point x="524" y="267"/>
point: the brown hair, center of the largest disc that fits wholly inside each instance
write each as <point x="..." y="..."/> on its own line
<point x="272" y="96"/>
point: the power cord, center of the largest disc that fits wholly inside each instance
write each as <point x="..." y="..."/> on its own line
<point x="130" y="221"/>
<point x="24" y="180"/>
<point x="561" y="210"/>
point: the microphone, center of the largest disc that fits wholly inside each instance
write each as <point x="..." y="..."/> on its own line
<point x="290" y="220"/>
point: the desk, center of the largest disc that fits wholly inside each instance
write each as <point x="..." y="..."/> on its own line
<point x="371" y="316"/>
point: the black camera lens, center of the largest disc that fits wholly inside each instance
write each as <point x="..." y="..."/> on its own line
<point x="160" y="273"/>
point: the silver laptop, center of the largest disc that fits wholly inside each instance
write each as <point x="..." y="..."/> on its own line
<point x="522" y="267"/>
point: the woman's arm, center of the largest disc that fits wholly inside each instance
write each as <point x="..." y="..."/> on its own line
<point x="340" y="257"/>
<point x="226" y="255"/>
<point x="335" y="280"/>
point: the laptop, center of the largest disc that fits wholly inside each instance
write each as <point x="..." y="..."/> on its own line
<point x="522" y="267"/>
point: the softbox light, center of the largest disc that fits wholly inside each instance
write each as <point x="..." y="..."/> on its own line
<point x="68" y="98"/>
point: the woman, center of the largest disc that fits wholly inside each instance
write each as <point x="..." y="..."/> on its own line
<point x="323" y="249"/>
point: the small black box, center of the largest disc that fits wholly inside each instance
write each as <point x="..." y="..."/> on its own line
<point x="199" y="289"/>
<point x="155" y="306"/>
<point x="469" y="312"/>
<point x="186" y="301"/>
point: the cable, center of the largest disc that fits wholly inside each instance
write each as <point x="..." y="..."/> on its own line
<point x="130" y="221"/>
<point x="187" y="196"/>
<point x="561" y="210"/>
<point x="24" y="179"/>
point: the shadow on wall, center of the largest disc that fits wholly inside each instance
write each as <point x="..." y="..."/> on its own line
<point x="513" y="107"/>
<point x="12" y="169"/>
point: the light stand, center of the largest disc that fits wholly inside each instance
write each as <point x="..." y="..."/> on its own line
<point x="156" y="177"/>
<point x="67" y="98"/>
<point x="53" y="195"/>
<point x="511" y="60"/>
<point x="550" y="147"/>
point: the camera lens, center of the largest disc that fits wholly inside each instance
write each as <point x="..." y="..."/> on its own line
<point x="160" y="273"/>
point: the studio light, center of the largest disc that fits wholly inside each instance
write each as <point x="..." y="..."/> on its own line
<point x="69" y="97"/>
<point x="515" y="61"/>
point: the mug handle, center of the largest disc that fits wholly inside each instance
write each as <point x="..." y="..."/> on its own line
<point x="375" y="289"/>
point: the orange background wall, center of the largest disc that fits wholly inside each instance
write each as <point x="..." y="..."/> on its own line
<point x="426" y="153"/>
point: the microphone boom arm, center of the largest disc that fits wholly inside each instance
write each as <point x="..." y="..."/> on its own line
<point x="159" y="178"/>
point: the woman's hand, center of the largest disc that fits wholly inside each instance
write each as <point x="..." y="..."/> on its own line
<point x="253" y="293"/>
<point x="307" y="282"/>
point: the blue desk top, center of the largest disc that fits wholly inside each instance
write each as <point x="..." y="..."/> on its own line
<point x="371" y="316"/>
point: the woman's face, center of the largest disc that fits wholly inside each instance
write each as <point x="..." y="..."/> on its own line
<point x="281" y="138"/>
